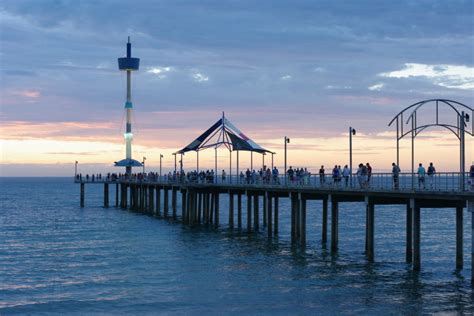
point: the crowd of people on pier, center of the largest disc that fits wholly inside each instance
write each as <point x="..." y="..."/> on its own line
<point x="337" y="177"/>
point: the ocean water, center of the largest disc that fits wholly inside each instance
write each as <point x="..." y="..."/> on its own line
<point x="56" y="257"/>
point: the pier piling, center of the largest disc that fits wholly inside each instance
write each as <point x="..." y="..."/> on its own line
<point x="302" y="207"/>
<point x="459" y="237"/>
<point x="370" y="231"/>
<point x="334" y="225"/>
<point x="174" y="202"/>
<point x="82" y="194"/>
<point x="275" y="228"/>
<point x="201" y="204"/>
<point x="268" y="204"/>
<point x="116" y="195"/>
<point x="106" y="195"/>
<point x="416" y="238"/>
<point x="324" y="233"/>
<point x="249" y="211"/>
<point x="239" y="210"/>
<point x="293" y="217"/>
<point x="231" y="210"/>
<point x="151" y="199"/>
<point x="255" y="212"/>
<point x="409" y="233"/>
<point x="166" y="204"/>
<point x="158" y="201"/>
<point x="216" y="200"/>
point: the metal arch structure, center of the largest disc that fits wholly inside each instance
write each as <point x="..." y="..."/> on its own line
<point x="460" y="110"/>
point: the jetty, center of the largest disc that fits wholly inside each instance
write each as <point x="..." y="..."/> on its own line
<point x="200" y="206"/>
<point x="257" y="199"/>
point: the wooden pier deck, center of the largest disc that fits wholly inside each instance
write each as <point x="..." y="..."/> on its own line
<point x="200" y="205"/>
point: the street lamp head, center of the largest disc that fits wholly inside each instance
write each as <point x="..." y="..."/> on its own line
<point x="353" y="131"/>
<point x="467" y="117"/>
<point x="287" y="139"/>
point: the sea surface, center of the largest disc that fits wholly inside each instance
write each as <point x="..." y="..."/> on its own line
<point x="56" y="257"/>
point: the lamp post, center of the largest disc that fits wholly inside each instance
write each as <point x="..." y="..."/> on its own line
<point x="351" y="133"/>
<point x="144" y="158"/>
<point x="75" y="169"/>
<point x="462" y="154"/>
<point x="161" y="157"/>
<point x="286" y="141"/>
<point x="272" y="159"/>
<point x="174" y="154"/>
<point x="251" y="161"/>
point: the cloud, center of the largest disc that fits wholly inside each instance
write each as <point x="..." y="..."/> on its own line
<point x="199" y="77"/>
<point x="285" y="77"/>
<point x="334" y="87"/>
<point x="160" y="71"/>
<point x="32" y="94"/>
<point x="376" y="87"/>
<point x="448" y="76"/>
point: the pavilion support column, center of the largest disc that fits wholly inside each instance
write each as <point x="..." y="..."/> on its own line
<point x="275" y="228"/>
<point x="249" y="211"/>
<point x="255" y="212"/>
<point x="324" y="237"/>
<point x="416" y="238"/>
<point x="409" y="232"/>
<point x="334" y="225"/>
<point x="459" y="238"/>
<point x="239" y="210"/>
<point x="231" y="210"/>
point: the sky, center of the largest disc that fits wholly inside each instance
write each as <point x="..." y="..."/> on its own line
<point x="303" y="69"/>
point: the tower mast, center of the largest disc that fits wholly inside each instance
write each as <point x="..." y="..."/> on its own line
<point x="128" y="64"/>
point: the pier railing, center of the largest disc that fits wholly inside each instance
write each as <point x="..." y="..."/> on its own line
<point x="441" y="181"/>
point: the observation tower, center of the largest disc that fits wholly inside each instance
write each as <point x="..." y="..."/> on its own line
<point x="128" y="64"/>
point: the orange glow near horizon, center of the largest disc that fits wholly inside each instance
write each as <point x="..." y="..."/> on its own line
<point x="47" y="144"/>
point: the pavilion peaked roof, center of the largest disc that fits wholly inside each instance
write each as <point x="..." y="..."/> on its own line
<point x="223" y="133"/>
